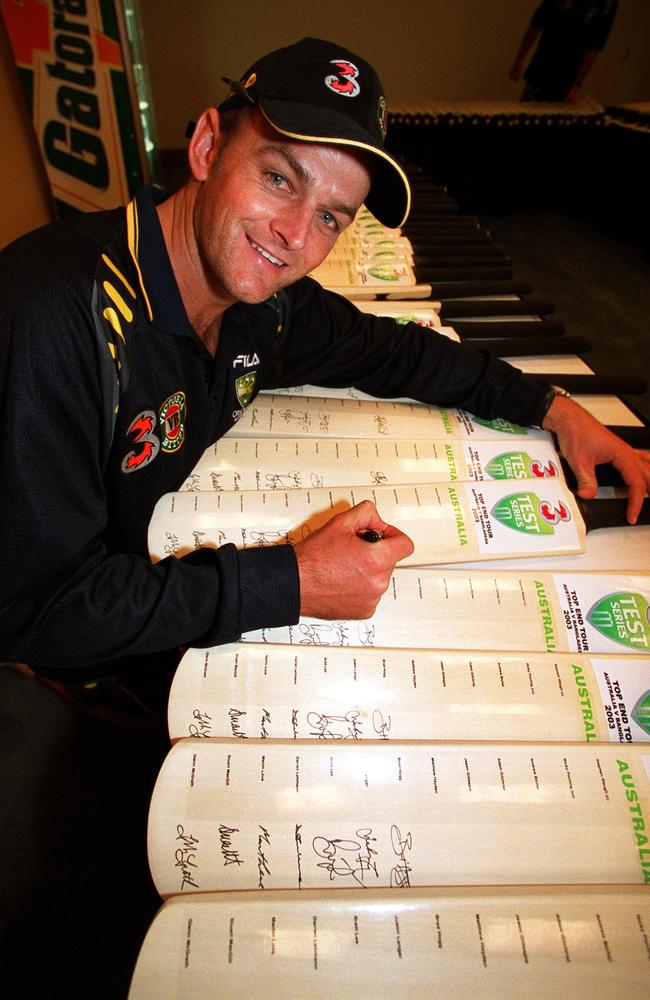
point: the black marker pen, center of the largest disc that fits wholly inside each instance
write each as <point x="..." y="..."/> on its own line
<point x="370" y="535"/>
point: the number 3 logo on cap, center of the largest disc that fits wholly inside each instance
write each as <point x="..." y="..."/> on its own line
<point x="345" y="83"/>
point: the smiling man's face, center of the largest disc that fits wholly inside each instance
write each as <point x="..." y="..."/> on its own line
<point x="270" y="209"/>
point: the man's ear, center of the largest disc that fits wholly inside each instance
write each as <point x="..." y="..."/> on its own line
<point x="204" y="144"/>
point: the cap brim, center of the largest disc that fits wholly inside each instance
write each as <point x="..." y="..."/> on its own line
<point x="389" y="198"/>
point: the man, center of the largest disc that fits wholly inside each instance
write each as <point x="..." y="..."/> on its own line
<point x="571" y="33"/>
<point x="138" y="337"/>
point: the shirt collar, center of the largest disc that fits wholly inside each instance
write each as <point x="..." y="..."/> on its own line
<point x="149" y="253"/>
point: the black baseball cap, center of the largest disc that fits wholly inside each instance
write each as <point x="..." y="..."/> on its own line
<point x="318" y="91"/>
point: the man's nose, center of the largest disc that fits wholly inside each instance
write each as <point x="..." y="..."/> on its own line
<point x="293" y="223"/>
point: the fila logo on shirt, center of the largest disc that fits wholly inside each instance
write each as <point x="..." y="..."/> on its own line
<point x="246" y="360"/>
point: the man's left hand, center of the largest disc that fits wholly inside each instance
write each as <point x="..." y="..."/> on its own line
<point x="585" y="443"/>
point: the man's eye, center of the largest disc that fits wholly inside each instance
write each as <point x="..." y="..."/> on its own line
<point x="329" y="220"/>
<point x="277" y="180"/>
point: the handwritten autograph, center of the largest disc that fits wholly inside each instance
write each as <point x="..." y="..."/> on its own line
<point x="282" y="481"/>
<point x="332" y="634"/>
<point x="399" y="875"/>
<point x="335" y="727"/>
<point x="348" y="858"/>
<point x="262" y="864"/>
<point x="260" y="538"/>
<point x="185" y="857"/>
<point x="381" y="727"/>
<point x="229" y="852"/>
<point x="266" y="718"/>
<point x="202" y="726"/>
<point x="173" y="545"/>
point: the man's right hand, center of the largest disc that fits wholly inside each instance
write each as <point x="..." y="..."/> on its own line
<point x="342" y="576"/>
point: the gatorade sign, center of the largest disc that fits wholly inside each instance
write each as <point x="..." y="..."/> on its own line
<point x="71" y="60"/>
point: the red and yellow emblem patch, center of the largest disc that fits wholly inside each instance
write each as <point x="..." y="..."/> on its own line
<point x="172" y="422"/>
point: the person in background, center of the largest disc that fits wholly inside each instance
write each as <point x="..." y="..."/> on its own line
<point x="569" y="36"/>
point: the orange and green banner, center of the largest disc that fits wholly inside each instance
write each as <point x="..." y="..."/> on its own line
<point x="74" y="64"/>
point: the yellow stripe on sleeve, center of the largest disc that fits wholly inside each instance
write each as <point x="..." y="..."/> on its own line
<point x="112" y="317"/>
<point x="119" y="274"/>
<point x="117" y="299"/>
<point x="132" y="237"/>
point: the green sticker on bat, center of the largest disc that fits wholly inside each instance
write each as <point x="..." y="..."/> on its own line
<point x="624" y="618"/>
